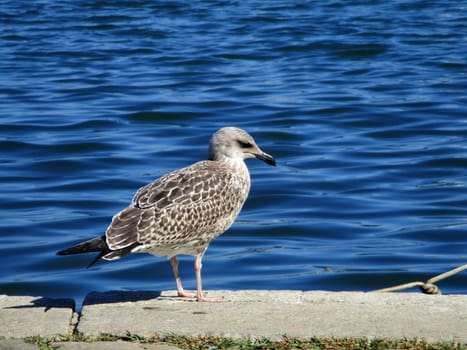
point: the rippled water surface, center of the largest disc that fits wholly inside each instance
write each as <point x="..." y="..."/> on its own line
<point x="363" y="104"/>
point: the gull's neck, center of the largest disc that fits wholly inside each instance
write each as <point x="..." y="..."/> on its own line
<point x="235" y="163"/>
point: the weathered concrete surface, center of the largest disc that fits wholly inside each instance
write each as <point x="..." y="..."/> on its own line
<point x="252" y="314"/>
<point x="113" y="345"/>
<point x="15" y="344"/>
<point x="275" y="313"/>
<point x="23" y="316"/>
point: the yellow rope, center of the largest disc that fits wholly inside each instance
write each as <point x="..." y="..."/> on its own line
<point x="427" y="287"/>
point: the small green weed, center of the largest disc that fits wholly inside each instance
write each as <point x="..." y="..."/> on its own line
<point x="225" y="343"/>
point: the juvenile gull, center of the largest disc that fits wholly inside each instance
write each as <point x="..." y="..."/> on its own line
<point x="183" y="211"/>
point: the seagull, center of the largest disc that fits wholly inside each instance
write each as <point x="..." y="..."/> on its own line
<point x="184" y="210"/>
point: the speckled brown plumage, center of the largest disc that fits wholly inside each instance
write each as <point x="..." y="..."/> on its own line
<point x="183" y="211"/>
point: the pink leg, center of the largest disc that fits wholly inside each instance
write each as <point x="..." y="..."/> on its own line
<point x="199" y="287"/>
<point x="180" y="291"/>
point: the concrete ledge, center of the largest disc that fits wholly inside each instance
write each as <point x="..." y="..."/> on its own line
<point x="275" y="313"/>
<point x="24" y="316"/>
<point x="249" y="313"/>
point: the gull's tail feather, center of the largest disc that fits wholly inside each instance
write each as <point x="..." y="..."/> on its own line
<point x="97" y="244"/>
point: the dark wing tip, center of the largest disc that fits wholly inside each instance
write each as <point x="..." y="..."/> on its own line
<point x="97" y="244"/>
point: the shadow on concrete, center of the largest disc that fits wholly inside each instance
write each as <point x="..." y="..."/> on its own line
<point x="46" y="303"/>
<point x="118" y="296"/>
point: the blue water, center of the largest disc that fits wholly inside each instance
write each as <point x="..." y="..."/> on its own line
<point x="363" y="104"/>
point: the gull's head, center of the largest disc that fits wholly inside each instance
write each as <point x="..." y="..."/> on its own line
<point x="237" y="144"/>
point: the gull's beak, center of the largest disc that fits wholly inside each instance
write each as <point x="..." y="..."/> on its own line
<point x="266" y="158"/>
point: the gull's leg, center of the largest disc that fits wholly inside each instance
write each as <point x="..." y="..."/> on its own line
<point x="180" y="291"/>
<point x="199" y="287"/>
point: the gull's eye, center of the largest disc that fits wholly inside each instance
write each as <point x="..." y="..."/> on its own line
<point x="244" y="144"/>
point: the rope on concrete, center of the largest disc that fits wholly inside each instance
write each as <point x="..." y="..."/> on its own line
<point x="427" y="287"/>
